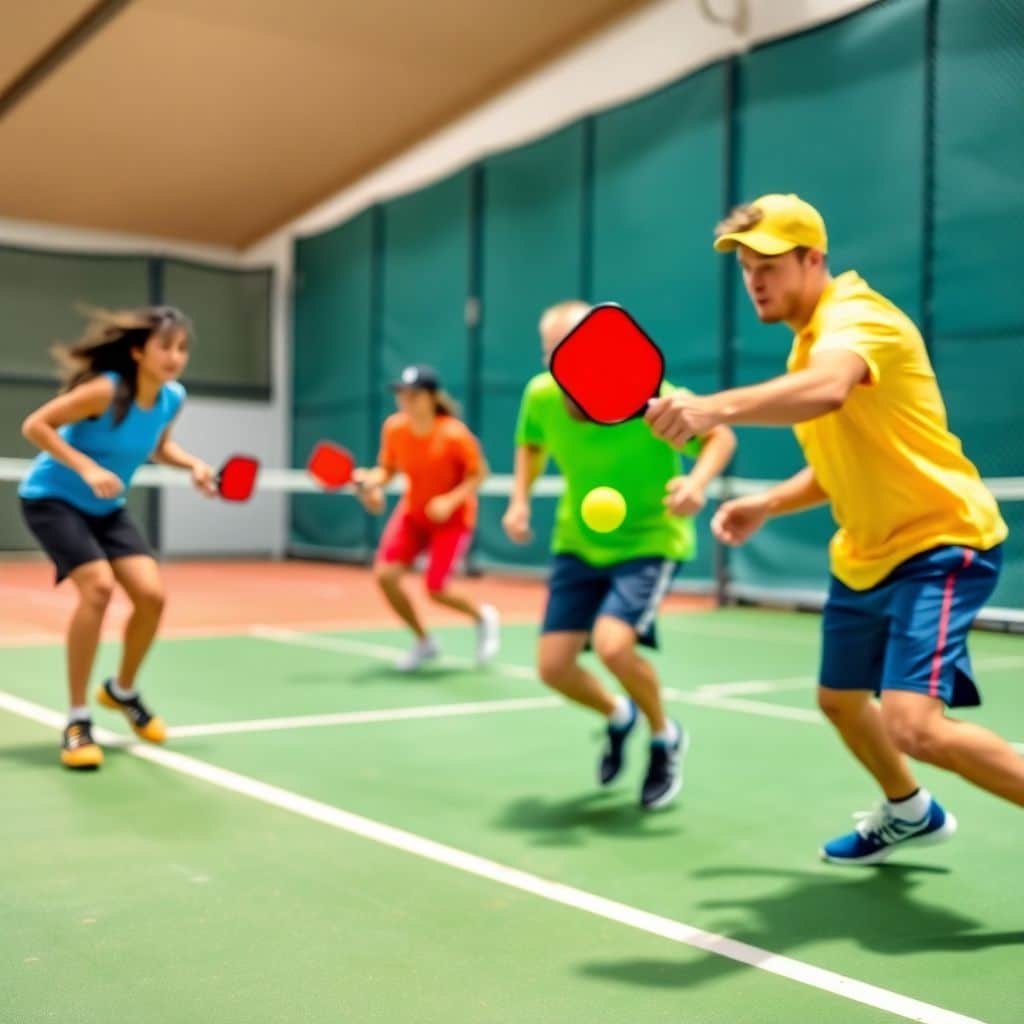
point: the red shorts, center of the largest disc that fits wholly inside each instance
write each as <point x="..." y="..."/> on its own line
<point x="405" y="538"/>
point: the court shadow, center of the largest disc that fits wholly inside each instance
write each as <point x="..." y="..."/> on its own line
<point x="876" y="910"/>
<point x="381" y="673"/>
<point x="33" y="755"/>
<point x="569" y="822"/>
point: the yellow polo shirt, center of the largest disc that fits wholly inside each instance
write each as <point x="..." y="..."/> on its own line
<point x="898" y="480"/>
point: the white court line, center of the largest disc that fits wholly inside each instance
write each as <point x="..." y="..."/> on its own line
<point x="746" y="707"/>
<point x="711" y="695"/>
<point x="699" y="621"/>
<point x="751" y="686"/>
<point x="699" y="696"/>
<point x="704" y="696"/>
<point x="480" y="707"/>
<point x="386" y="653"/>
<point x="53" y="638"/>
<point x="555" y="892"/>
<point x="324" y="643"/>
<point x="56" y="638"/>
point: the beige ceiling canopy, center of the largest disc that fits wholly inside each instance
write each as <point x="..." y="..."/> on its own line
<point x="219" y="120"/>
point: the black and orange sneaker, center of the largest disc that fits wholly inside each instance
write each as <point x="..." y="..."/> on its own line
<point x="145" y="725"/>
<point x="78" y="749"/>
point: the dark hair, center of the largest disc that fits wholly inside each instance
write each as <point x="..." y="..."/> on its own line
<point x="107" y="345"/>
<point x="445" y="405"/>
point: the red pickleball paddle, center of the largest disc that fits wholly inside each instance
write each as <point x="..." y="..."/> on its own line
<point x="330" y="465"/>
<point x="236" y="479"/>
<point x="608" y="366"/>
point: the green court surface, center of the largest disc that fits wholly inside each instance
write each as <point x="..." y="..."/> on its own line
<point x="251" y="880"/>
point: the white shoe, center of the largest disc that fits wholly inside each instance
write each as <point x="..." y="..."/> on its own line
<point x="425" y="650"/>
<point x="488" y="634"/>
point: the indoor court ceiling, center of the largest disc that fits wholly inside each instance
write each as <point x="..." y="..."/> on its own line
<point x="219" y="120"/>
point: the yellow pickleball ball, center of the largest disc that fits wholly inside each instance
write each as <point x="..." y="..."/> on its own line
<point x="603" y="509"/>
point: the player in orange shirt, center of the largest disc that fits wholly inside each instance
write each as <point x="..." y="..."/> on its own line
<point x="444" y="467"/>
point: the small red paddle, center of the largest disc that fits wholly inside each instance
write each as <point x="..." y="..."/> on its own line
<point x="331" y="465"/>
<point x="236" y="479"/>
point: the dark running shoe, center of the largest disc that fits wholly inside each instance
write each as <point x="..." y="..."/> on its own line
<point x="664" y="772"/>
<point x="613" y="758"/>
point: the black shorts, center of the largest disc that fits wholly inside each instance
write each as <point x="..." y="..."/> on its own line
<point x="71" y="538"/>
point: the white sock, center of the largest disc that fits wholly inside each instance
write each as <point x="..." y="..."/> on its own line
<point x="669" y="735"/>
<point x="79" y="713"/>
<point x="914" y="808"/>
<point x="622" y="713"/>
<point x="120" y="694"/>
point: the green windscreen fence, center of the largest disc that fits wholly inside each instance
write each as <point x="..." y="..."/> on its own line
<point x="385" y="290"/>
<point x="657" y="174"/>
<point x="42" y="298"/>
<point x="425" y="258"/>
<point x="332" y="374"/>
<point x="41" y="294"/>
<point x="532" y="219"/>
<point x="907" y="135"/>
<point x="231" y="311"/>
<point x="978" y="312"/>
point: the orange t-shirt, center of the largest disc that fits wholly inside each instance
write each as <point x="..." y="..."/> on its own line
<point x="433" y="464"/>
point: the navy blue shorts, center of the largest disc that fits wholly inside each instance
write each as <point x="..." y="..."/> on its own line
<point x="578" y="593"/>
<point x="910" y="631"/>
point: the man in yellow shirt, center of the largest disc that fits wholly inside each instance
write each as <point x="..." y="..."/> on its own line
<point x="918" y="549"/>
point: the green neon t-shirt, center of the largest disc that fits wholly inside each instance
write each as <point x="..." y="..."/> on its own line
<point x="627" y="457"/>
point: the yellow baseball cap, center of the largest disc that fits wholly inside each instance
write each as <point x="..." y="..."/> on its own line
<point x="786" y="223"/>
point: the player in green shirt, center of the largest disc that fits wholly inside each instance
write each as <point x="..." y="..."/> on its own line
<point x="605" y="588"/>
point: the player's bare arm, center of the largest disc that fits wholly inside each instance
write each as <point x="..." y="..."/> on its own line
<point x="820" y="389"/>
<point x="738" y="520"/>
<point x="687" y="495"/>
<point x="529" y="465"/>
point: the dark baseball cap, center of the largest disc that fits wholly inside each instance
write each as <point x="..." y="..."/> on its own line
<point x="419" y="376"/>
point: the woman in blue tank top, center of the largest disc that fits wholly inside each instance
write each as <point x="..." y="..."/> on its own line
<point x="114" y="413"/>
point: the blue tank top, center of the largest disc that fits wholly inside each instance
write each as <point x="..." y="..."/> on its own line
<point x="120" y="449"/>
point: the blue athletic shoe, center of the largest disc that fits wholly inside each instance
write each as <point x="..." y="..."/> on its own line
<point x="613" y="758"/>
<point x="878" y="833"/>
